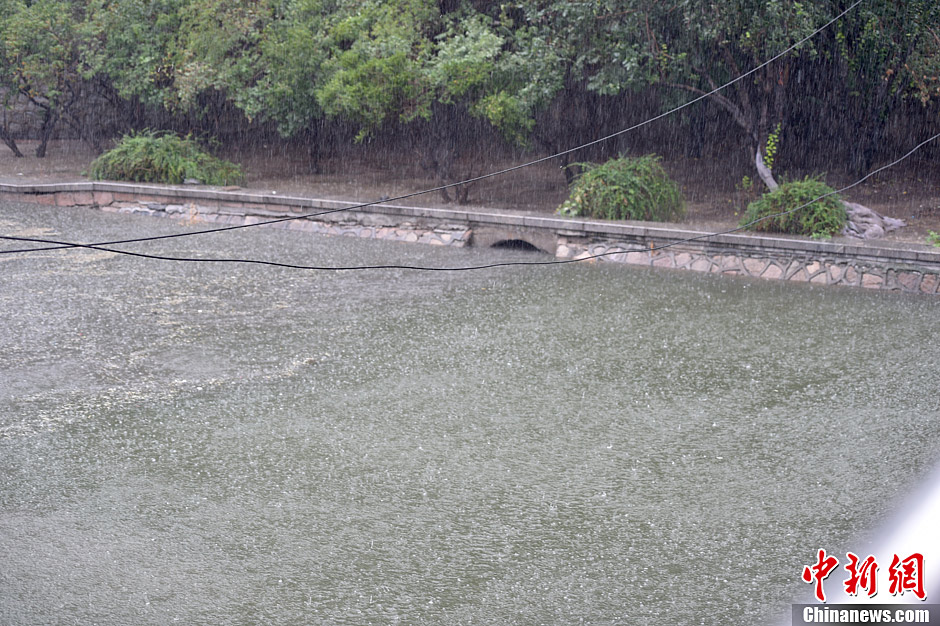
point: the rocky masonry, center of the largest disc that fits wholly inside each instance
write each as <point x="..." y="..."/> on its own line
<point x="350" y="225"/>
<point x="908" y="268"/>
<point x="796" y="268"/>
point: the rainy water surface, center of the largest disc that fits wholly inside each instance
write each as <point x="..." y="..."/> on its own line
<point x="592" y="444"/>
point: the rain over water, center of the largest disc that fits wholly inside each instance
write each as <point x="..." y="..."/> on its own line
<point x="596" y="444"/>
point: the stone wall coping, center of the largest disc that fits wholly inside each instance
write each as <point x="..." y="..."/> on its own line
<point x="879" y="251"/>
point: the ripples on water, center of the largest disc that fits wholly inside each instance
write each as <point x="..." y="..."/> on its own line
<point x="582" y="444"/>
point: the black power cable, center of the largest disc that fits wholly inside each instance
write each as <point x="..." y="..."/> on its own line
<point x="62" y="245"/>
<point x="66" y="245"/>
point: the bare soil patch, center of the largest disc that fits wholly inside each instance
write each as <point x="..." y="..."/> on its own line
<point x="715" y="200"/>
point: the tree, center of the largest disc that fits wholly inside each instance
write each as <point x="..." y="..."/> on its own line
<point x="729" y="39"/>
<point x="861" y="65"/>
<point x="130" y="43"/>
<point x="409" y="63"/>
<point x="39" y="44"/>
<point x="696" y="46"/>
<point x="292" y="49"/>
<point x="8" y="84"/>
<point x="373" y="70"/>
<point x="448" y="72"/>
<point x="886" y="51"/>
<point x="195" y="61"/>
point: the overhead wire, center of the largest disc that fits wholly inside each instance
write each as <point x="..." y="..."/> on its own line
<point x="475" y="179"/>
<point x="466" y="181"/>
<point x="398" y="266"/>
<point x="103" y="246"/>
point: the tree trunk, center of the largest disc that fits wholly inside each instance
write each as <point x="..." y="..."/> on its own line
<point x="571" y="170"/>
<point x="314" y="137"/>
<point x="9" y="141"/>
<point x="45" y="132"/>
<point x="763" y="171"/>
<point x="438" y="157"/>
<point x="756" y="120"/>
<point x="439" y="150"/>
<point x="773" y="87"/>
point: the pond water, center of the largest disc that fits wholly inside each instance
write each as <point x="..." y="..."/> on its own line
<point x="594" y="444"/>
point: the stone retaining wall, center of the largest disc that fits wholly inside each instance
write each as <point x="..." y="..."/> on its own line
<point x="363" y="224"/>
<point x="348" y="224"/>
<point x="905" y="267"/>
<point x="795" y="267"/>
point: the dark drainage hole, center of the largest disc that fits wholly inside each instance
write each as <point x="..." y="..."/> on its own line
<point x="515" y="244"/>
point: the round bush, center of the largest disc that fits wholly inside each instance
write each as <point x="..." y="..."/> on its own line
<point x="154" y="157"/>
<point x="822" y="218"/>
<point x="625" y="189"/>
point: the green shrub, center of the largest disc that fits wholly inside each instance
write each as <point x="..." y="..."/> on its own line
<point x="625" y="189"/>
<point x="159" y="157"/>
<point x="825" y="217"/>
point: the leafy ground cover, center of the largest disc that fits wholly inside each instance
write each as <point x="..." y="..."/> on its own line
<point x="625" y="189"/>
<point x="155" y="157"/>
<point x="801" y="207"/>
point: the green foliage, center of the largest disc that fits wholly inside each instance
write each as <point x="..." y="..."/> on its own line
<point x="891" y="47"/>
<point x="499" y="70"/>
<point x="746" y="185"/>
<point x="376" y="64"/>
<point x="155" y="157"/>
<point x="132" y="44"/>
<point x="467" y="54"/>
<point x="7" y="73"/>
<point x="374" y="69"/>
<point x="625" y="189"/>
<point x="391" y="61"/>
<point x="933" y="238"/>
<point x="38" y="40"/>
<point x="218" y="46"/>
<point x="38" y="51"/>
<point x="292" y="49"/>
<point x="508" y="113"/>
<point x="824" y="217"/>
<point x="773" y="144"/>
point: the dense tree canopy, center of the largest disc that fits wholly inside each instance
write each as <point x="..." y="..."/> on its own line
<point x="549" y="71"/>
<point x="39" y="56"/>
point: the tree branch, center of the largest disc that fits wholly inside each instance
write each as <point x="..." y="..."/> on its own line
<point x="722" y="101"/>
<point x="743" y="95"/>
